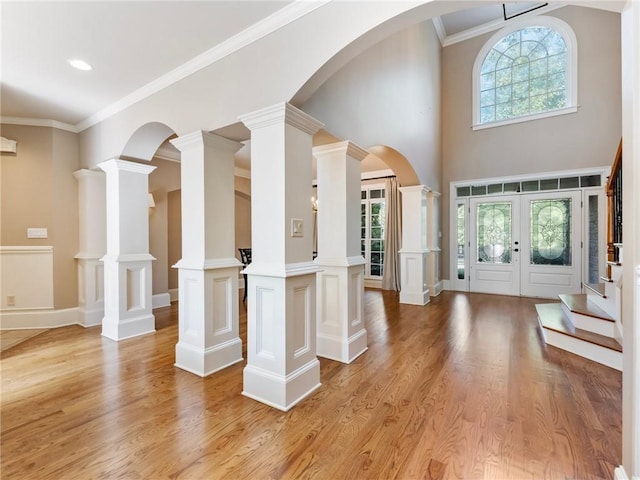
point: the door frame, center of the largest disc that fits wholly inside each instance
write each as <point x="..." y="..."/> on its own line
<point x="454" y="199"/>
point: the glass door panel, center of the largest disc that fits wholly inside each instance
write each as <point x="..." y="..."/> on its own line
<point x="551" y="234"/>
<point x="551" y="240"/>
<point x="494" y="266"/>
<point x="494" y="226"/>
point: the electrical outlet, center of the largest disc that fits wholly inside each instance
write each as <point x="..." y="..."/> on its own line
<point x="11" y="300"/>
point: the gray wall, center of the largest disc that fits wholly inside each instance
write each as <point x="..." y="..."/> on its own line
<point x="588" y="138"/>
<point x="389" y="95"/>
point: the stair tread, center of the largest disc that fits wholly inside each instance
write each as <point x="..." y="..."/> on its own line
<point x="552" y="317"/>
<point x="607" y="279"/>
<point x="597" y="288"/>
<point x="580" y="304"/>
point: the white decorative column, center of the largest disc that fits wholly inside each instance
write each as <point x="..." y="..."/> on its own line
<point x="414" y="252"/>
<point x="341" y="333"/>
<point x="630" y="46"/>
<point x="92" y="242"/>
<point x="434" y="282"/>
<point x="282" y="368"/>
<point x="208" y="277"/>
<point x="127" y="263"/>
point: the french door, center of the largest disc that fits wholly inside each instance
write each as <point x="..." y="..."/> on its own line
<point x="526" y="245"/>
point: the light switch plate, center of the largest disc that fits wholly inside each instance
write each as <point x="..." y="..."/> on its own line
<point x="37" y="233"/>
<point x="297" y="227"/>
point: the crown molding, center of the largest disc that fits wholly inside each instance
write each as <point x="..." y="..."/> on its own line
<point x="255" y="32"/>
<point x="440" y="31"/>
<point x="39" y="122"/>
<point x="492" y="26"/>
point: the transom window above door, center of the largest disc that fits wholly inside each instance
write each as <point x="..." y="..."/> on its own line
<point x="525" y="72"/>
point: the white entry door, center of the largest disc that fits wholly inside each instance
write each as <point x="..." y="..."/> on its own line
<point x="551" y="258"/>
<point x="526" y="245"/>
<point x="494" y="262"/>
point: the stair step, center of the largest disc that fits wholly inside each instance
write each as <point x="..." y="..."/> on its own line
<point x="614" y="264"/>
<point x="552" y="317"/>
<point x="580" y="305"/>
<point x="606" y="279"/>
<point x="597" y="288"/>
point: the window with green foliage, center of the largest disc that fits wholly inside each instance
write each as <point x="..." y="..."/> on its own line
<point x="525" y="72"/>
<point x="372" y="219"/>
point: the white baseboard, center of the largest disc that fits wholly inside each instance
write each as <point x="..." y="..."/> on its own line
<point x="435" y="290"/>
<point x="173" y="294"/>
<point x="161" y="300"/>
<point x="372" y="283"/>
<point x="32" y="319"/>
<point x="620" y="474"/>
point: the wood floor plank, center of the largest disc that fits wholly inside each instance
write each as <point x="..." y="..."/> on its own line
<point x="461" y="388"/>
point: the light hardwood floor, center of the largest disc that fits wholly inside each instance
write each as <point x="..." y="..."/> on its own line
<point x="461" y="388"/>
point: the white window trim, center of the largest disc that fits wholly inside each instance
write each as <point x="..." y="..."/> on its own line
<point x="569" y="36"/>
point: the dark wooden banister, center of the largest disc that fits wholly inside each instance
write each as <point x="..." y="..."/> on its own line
<point x="614" y="209"/>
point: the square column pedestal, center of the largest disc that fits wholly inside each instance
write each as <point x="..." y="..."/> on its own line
<point x="414" y="254"/>
<point x="208" y="312"/>
<point x="282" y="367"/>
<point x="127" y="310"/>
<point x="341" y="332"/>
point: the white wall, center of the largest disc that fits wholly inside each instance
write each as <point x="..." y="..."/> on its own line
<point x="389" y="95"/>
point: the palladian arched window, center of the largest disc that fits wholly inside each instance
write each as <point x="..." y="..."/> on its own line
<point x="524" y="72"/>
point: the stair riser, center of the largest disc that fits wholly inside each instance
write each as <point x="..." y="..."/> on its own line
<point x="596" y="353"/>
<point x="607" y="304"/>
<point x="591" y="324"/>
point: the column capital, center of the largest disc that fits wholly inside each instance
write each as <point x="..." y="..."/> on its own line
<point x="116" y="164"/>
<point x="348" y="147"/>
<point x="85" y="173"/>
<point x="281" y="113"/>
<point x="201" y="137"/>
<point x="415" y="188"/>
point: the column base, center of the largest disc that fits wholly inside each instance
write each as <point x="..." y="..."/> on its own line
<point x="436" y="289"/>
<point x="342" y="350"/>
<point x="90" y="318"/>
<point x="415" y="298"/>
<point x="413" y="269"/>
<point x="131" y="327"/>
<point x="205" y="361"/>
<point x="278" y="391"/>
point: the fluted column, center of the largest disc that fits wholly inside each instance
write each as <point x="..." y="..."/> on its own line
<point x="282" y="368"/>
<point x="340" y="285"/>
<point x="92" y="242"/>
<point x="208" y="338"/>
<point x="414" y="252"/>
<point x="127" y="263"/>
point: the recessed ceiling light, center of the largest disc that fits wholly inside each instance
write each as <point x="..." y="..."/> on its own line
<point x="80" y="64"/>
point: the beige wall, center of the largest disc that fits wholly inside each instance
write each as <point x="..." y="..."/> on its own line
<point x="165" y="178"/>
<point x="174" y="235"/>
<point x="588" y="138"/>
<point x="39" y="190"/>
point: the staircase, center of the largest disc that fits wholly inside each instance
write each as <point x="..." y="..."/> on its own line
<point x="590" y="324"/>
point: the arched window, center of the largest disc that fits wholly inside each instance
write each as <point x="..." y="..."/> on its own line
<point x="524" y="72"/>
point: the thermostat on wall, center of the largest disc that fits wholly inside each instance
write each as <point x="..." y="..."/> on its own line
<point x="37" y="233"/>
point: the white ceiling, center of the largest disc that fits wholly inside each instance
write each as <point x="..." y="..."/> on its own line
<point x="129" y="44"/>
